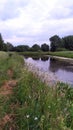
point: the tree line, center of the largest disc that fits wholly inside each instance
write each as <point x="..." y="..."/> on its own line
<point x="59" y="44"/>
<point x="56" y="44"/>
<point x="21" y="48"/>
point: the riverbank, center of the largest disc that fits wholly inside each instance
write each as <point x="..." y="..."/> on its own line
<point x="28" y="103"/>
<point x="67" y="60"/>
<point x="66" y="54"/>
<point x="49" y="79"/>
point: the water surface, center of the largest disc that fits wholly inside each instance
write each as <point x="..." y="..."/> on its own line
<point x="62" y="69"/>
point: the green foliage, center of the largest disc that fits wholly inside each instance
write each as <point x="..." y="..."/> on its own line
<point x="4" y="47"/>
<point x="42" y="107"/>
<point x="33" y="105"/>
<point x="68" y="54"/>
<point x="33" y="54"/>
<point x="1" y="42"/>
<point x="62" y="49"/>
<point x="55" y="42"/>
<point x="21" y="48"/>
<point x="35" y="47"/>
<point x="9" y="46"/>
<point x="68" y="42"/>
<point x="8" y="62"/>
<point x="45" y="47"/>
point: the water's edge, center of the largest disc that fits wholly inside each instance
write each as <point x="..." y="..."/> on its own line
<point x="49" y="78"/>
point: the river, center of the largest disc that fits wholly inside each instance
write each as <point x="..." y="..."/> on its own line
<point x="62" y="70"/>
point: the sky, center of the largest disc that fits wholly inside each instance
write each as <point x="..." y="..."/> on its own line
<point x="28" y="22"/>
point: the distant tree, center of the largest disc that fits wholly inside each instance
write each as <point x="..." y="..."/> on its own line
<point x="68" y="42"/>
<point x="1" y="42"/>
<point x="22" y="48"/>
<point x="35" y="47"/>
<point x="4" y="47"/>
<point x="45" y="47"/>
<point x="56" y="42"/>
<point x="10" y="47"/>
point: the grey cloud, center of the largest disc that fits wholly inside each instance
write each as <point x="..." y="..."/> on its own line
<point x="61" y="13"/>
<point x="35" y="25"/>
<point x="11" y="9"/>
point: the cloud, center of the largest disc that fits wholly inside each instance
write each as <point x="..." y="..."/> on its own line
<point x="10" y="8"/>
<point x="30" y="21"/>
<point x="61" y="13"/>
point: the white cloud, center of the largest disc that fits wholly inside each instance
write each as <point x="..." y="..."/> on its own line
<point x="29" y="21"/>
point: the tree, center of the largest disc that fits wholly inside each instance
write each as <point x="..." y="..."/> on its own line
<point x="4" y="47"/>
<point x="35" y="47"/>
<point x="1" y="42"/>
<point x="45" y="47"/>
<point x="68" y="42"/>
<point x="10" y="47"/>
<point x="21" y="48"/>
<point x="56" y="42"/>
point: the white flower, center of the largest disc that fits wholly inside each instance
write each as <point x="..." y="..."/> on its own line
<point x="36" y="118"/>
<point x="27" y="116"/>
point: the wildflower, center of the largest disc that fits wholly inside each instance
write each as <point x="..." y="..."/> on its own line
<point x="27" y="116"/>
<point x="36" y="118"/>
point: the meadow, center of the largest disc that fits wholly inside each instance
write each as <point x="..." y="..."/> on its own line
<point x="28" y="104"/>
<point x="67" y="54"/>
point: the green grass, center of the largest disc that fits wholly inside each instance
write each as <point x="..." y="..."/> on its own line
<point x="39" y="53"/>
<point x="42" y="107"/>
<point x="33" y="105"/>
<point x="9" y="62"/>
<point x="67" y="54"/>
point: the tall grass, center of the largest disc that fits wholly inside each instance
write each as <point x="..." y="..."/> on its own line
<point x="33" y="105"/>
<point x="43" y="107"/>
<point x="9" y="62"/>
<point x="39" y="53"/>
<point x="68" y="54"/>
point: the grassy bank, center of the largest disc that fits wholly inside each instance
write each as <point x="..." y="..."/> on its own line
<point x="29" y="54"/>
<point x="67" y="54"/>
<point x="32" y="105"/>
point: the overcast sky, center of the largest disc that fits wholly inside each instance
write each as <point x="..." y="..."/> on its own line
<point x="35" y="21"/>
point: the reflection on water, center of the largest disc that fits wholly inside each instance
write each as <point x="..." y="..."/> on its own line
<point x="55" y="65"/>
<point x="35" y="58"/>
<point x="62" y="69"/>
<point x="44" y="58"/>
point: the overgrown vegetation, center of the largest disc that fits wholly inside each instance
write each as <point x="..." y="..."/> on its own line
<point x="57" y="43"/>
<point x="36" y="54"/>
<point x="68" y="54"/>
<point x="32" y="105"/>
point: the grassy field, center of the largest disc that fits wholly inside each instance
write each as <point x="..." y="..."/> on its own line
<point x="28" y="104"/>
<point x="68" y="54"/>
<point x="40" y="53"/>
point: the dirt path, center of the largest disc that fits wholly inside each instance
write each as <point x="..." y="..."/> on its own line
<point x="6" y="90"/>
<point x="7" y="87"/>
